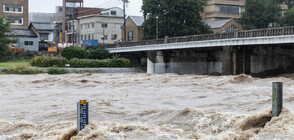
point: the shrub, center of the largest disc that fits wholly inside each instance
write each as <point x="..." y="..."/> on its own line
<point x="56" y="70"/>
<point x="117" y="61"/>
<point x="73" y="52"/>
<point x="97" y="53"/>
<point x="21" y="70"/>
<point x="87" y="63"/>
<point x="41" y="61"/>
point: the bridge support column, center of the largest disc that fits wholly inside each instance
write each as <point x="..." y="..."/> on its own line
<point x="227" y="60"/>
<point x="242" y="63"/>
<point x="236" y="60"/>
<point x="150" y="62"/>
<point x="160" y="66"/>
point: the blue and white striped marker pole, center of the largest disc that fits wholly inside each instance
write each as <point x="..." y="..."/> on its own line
<point x="82" y="114"/>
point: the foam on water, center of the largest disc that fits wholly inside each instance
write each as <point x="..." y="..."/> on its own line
<point x="144" y="106"/>
<point x="169" y="124"/>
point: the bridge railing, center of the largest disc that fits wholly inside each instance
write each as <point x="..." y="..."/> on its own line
<point x="230" y="35"/>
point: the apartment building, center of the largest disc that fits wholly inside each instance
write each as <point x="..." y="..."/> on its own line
<point x="223" y="9"/>
<point x="15" y="11"/>
<point x="226" y="9"/>
<point x="104" y="27"/>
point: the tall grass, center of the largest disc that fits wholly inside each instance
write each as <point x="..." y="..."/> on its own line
<point x="15" y="63"/>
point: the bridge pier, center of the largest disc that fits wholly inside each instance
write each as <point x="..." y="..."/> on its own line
<point x="160" y="66"/>
<point x="227" y="60"/>
<point x="155" y="62"/>
<point x="150" y="62"/>
<point x="236" y="60"/>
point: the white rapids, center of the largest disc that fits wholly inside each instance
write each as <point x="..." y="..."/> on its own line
<point x="144" y="106"/>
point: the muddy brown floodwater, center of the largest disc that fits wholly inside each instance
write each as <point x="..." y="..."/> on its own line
<point x="144" y="106"/>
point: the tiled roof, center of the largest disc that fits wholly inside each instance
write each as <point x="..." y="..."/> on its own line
<point x="21" y="32"/>
<point x="218" y="23"/>
<point x="138" y="20"/>
<point x="42" y="26"/>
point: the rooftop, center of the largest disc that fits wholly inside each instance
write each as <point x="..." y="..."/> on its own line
<point x="42" y="26"/>
<point x="138" y="20"/>
<point x="217" y="23"/>
<point x="22" y="32"/>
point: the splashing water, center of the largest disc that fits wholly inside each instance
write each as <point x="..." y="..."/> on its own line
<point x="144" y="106"/>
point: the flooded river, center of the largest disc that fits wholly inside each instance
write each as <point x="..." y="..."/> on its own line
<point x="144" y="106"/>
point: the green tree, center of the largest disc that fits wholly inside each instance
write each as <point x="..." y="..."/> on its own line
<point x="288" y="18"/>
<point x="175" y="18"/>
<point x="260" y="13"/>
<point x="5" y="38"/>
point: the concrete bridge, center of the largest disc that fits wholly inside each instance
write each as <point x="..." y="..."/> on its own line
<point x="250" y="52"/>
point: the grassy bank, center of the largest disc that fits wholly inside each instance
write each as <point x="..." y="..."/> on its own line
<point x="15" y="63"/>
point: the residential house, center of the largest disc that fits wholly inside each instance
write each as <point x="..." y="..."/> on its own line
<point x="134" y="29"/>
<point x="43" y="30"/>
<point x="15" y="11"/>
<point x="25" y="38"/>
<point x="106" y="28"/>
<point x="225" y="25"/>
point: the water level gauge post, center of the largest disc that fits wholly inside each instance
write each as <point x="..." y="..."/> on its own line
<point x="82" y="115"/>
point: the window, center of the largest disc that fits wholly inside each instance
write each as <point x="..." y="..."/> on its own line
<point x="113" y="13"/>
<point x="82" y="37"/>
<point x="104" y="25"/>
<point x="85" y="37"/>
<point x="89" y="36"/>
<point x="104" y="37"/>
<point x="130" y="36"/>
<point x="44" y="36"/>
<point x="93" y="25"/>
<point x="113" y="37"/>
<point x="81" y="26"/>
<point x="15" y="20"/>
<point x="231" y="28"/>
<point x="92" y="36"/>
<point x="230" y="9"/>
<point x="29" y="43"/>
<point x="11" y="8"/>
<point x="117" y="26"/>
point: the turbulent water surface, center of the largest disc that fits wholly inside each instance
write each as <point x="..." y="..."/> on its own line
<point x="143" y="106"/>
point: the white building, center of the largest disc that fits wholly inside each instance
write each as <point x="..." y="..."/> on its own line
<point x="104" y="27"/>
<point x="114" y="11"/>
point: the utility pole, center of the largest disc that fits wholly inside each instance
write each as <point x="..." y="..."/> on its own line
<point x="124" y="12"/>
<point x="156" y="27"/>
<point x="73" y="28"/>
<point x="63" y="20"/>
<point x="103" y="34"/>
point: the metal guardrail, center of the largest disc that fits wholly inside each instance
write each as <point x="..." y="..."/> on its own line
<point x="238" y="34"/>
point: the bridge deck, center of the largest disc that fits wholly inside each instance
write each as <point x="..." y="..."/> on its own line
<point x="246" y="37"/>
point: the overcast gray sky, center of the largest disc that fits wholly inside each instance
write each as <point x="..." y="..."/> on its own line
<point x="48" y="6"/>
